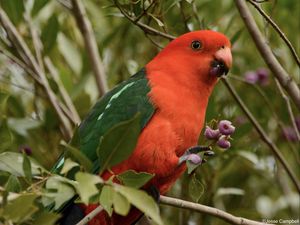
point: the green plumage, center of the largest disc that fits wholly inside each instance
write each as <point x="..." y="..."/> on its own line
<point x="120" y="104"/>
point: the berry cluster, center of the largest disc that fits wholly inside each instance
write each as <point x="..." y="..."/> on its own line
<point x="222" y="134"/>
<point x="260" y="76"/>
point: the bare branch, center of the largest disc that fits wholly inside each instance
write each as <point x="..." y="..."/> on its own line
<point x="263" y="134"/>
<point x="22" y="48"/>
<point x="91" y="45"/>
<point x="289" y="107"/>
<point x="64" y="94"/>
<point x="35" y="40"/>
<point x="164" y="200"/>
<point x="277" y="29"/>
<point x="283" y="77"/>
<point x="90" y="216"/>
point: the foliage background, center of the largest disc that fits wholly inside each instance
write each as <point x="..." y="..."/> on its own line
<point x="246" y="180"/>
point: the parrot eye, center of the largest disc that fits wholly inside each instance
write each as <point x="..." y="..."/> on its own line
<point x="196" y="45"/>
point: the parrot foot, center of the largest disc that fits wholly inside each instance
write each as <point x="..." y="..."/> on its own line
<point x="191" y="155"/>
<point x="154" y="192"/>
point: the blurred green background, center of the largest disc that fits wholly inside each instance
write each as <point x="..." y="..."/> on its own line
<point x="245" y="180"/>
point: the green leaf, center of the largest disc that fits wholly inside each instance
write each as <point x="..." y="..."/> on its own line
<point x="14" y="9"/>
<point x="49" y="33"/>
<point x="46" y="218"/>
<point x="27" y="167"/>
<point x="37" y="6"/>
<point x="79" y="156"/>
<point x="121" y="204"/>
<point x="158" y="21"/>
<point x="106" y="199"/>
<point x="13" y="184"/>
<point x="196" y="188"/>
<point x="236" y="36"/>
<point x="191" y="166"/>
<point x="64" y="191"/>
<point x="68" y="165"/>
<point x="142" y="201"/>
<point x="87" y="185"/>
<point x="229" y="191"/>
<point x="6" y="136"/>
<point x="12" y="162"/>
<point x="119" y="142"/>
<point x="134" y="179"/>
<point x="3" y="102"/>
<point x="70" y="52"/>
<point x="21" y="208"/>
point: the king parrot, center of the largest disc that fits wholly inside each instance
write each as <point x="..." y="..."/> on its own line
<point x="171" y="94"/>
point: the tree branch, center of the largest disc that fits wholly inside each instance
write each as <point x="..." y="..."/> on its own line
<point x="29" y="60"/>
<point x="277" y="29"/>
<point x="283" y="77"/>
<point x="262" y="134"/>
<point x="164" y="200"/>
<point x="91" y="45"/>
<point x="90" y="216"/>
<point x="289" y="107"/>
<point x="64" y="94"/>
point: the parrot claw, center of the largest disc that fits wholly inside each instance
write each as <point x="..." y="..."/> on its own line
<point x="197" y="149"/>
<point x="209" y="153"/>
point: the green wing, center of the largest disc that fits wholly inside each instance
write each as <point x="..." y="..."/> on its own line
<point x="120" y="104"/>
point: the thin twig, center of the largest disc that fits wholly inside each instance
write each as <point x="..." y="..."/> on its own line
<point x="24" y="51"/>
<point x="164" y="200"/>
<point x="35" y="40"/>
<point x="144" y="11"/>
<point x="143" y="26"/>
<point x="21" y="64"/>
<point x="263" y="134"/>
<point x="184" y="18"/>
<point x="290" y="110"/>
<point x="91" y="45"/>
<point x="283" y="77"/>
<point x="90" y="216"/>
<point x="278" y="30"/>
<point x="64" y="94"/>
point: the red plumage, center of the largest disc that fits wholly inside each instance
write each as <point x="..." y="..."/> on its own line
<point x="181" y="84"/>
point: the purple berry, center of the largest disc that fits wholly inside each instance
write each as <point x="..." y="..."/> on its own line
<point x="251" y="77"/>
<point x="25" y="149"/>
<point x="263" y="76"/>
<point x="194" y="158"/>
<point x="210" y="133"/>
<point x="226" y="127"/>
<point x="223" y="142"/>
<point x="289" y="134"/>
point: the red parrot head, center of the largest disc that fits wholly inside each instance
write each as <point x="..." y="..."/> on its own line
<point x="205" y="54"/>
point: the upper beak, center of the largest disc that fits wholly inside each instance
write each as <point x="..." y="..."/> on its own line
<point x="222" y="61"/>
<point x="224" y="55"/>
